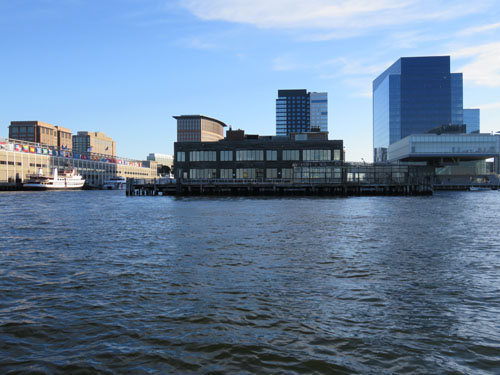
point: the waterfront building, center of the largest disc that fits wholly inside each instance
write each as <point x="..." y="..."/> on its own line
<point x="472" y="120"/>
<point x="96" y="142"/>
<point x="301" y="111"/>
<point x="41" y="132"/>
<point x="414" y="95"/>
<point x="241" y="156"/>
<point x="19" y="159"/>
<point x="438" y="149"/>
<point x="199" y="128"/>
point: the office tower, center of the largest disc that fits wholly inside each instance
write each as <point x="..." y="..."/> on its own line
<point x="300" y="111"/>
<point x="95" y="142"/>
<point x="472" y="120"/>
<point x="414" y="95"/>
<point x="199" y="128"/>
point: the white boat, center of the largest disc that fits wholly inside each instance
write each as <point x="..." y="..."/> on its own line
<point x="478" y="188"/>
<point x="115" y="183"/>
<point x="64" y="180"/>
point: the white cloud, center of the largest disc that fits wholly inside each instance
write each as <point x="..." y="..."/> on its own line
<point x="483" y="66"/>
<point x="339" y="19"/>
<point x="480" y="29"/>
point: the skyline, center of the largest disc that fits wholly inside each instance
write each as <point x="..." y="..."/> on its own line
<point x="126" y="67"/>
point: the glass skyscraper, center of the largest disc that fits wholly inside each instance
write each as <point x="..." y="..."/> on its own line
<point x="414" y="95"/>
<point x="471" y="120"/>
<point x="301" y="111"/>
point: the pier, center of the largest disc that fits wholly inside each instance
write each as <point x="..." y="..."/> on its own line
<point x="353" y="179"/>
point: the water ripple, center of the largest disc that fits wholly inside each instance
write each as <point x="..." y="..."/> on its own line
<point x="96" y="283"/>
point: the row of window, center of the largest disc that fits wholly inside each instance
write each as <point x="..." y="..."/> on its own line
<point x="258" y="155"/>
<point x="303" y="173"/>
<point x="211" y="173"/>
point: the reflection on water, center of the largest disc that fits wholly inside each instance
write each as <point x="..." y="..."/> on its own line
<point x="94" y="282"/>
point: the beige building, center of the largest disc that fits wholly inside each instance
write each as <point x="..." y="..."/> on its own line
<point x="96" y="142"/>
<point x="64" y="138"/>
<point x="18" y="160"/>
<point x="199" y="128"/>
<point x="40" y="132"/>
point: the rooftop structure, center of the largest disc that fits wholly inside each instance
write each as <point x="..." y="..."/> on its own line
<point x="199" y="128"/>
<point x="41" y="132"/>
<point x="96" y="142"/>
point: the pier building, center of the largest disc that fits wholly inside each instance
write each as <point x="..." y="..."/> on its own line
<point x="19" y="159"/>
<point x="199" y="128"/>
<point x="251" y="156"/>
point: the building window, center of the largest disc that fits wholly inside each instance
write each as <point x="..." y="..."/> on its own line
<point x="271" y="173"/>
<point x="316" y="155"/>
<point x="336" y="154"/>
<point x="207" y="173"/>
<point x="271" y="155"/>
<point x="249" y="155"/>
<point x="291" y="155"/>
<point x="287" y="173"/>
<point x="226" y="173"/>
<point x="202" y="156"/>
<point x="181" y="156"/>
<point x="226" y="156"/>
<point x="245" y="173"/>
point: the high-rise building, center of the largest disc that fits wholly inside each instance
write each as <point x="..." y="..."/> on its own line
<point x="300" y="111"/>
<point x="199" y="128"/>
<point x="414" y="95"/>
<point x="472" y="120"/>
<point x="95" y="142"/>
<point x="41" y="132"/>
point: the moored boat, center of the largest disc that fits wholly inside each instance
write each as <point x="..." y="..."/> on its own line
<point x="65" y="180"/>
<point x="115" y="183"/>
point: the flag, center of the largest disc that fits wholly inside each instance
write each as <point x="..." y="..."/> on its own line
<point x="38" y="150"/>
<point x="89" y="149"/>
<point x="26" y="148"/>
<point x="18" y="148"/>
<point x="76" y="156"/>
<point x="45" y="151"/>
<point x="54" y="152"/>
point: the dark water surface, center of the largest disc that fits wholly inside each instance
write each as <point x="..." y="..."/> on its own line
<point x="93" y="282"/>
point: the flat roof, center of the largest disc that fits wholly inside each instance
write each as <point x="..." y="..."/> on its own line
<point x="201" y="117"/>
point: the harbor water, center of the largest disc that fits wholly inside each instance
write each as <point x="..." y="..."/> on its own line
<point x="93" y="282"/>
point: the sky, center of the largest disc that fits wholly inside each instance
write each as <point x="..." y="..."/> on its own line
<point x="125" y="67"/>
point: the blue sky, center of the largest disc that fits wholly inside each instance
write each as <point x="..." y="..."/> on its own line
<point x="125" y="67"/>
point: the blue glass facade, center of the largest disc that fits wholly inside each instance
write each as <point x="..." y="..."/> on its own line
<point x="471" y="120"/>
<point x="300" y="111"/>
<point x="414" y="95"/>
